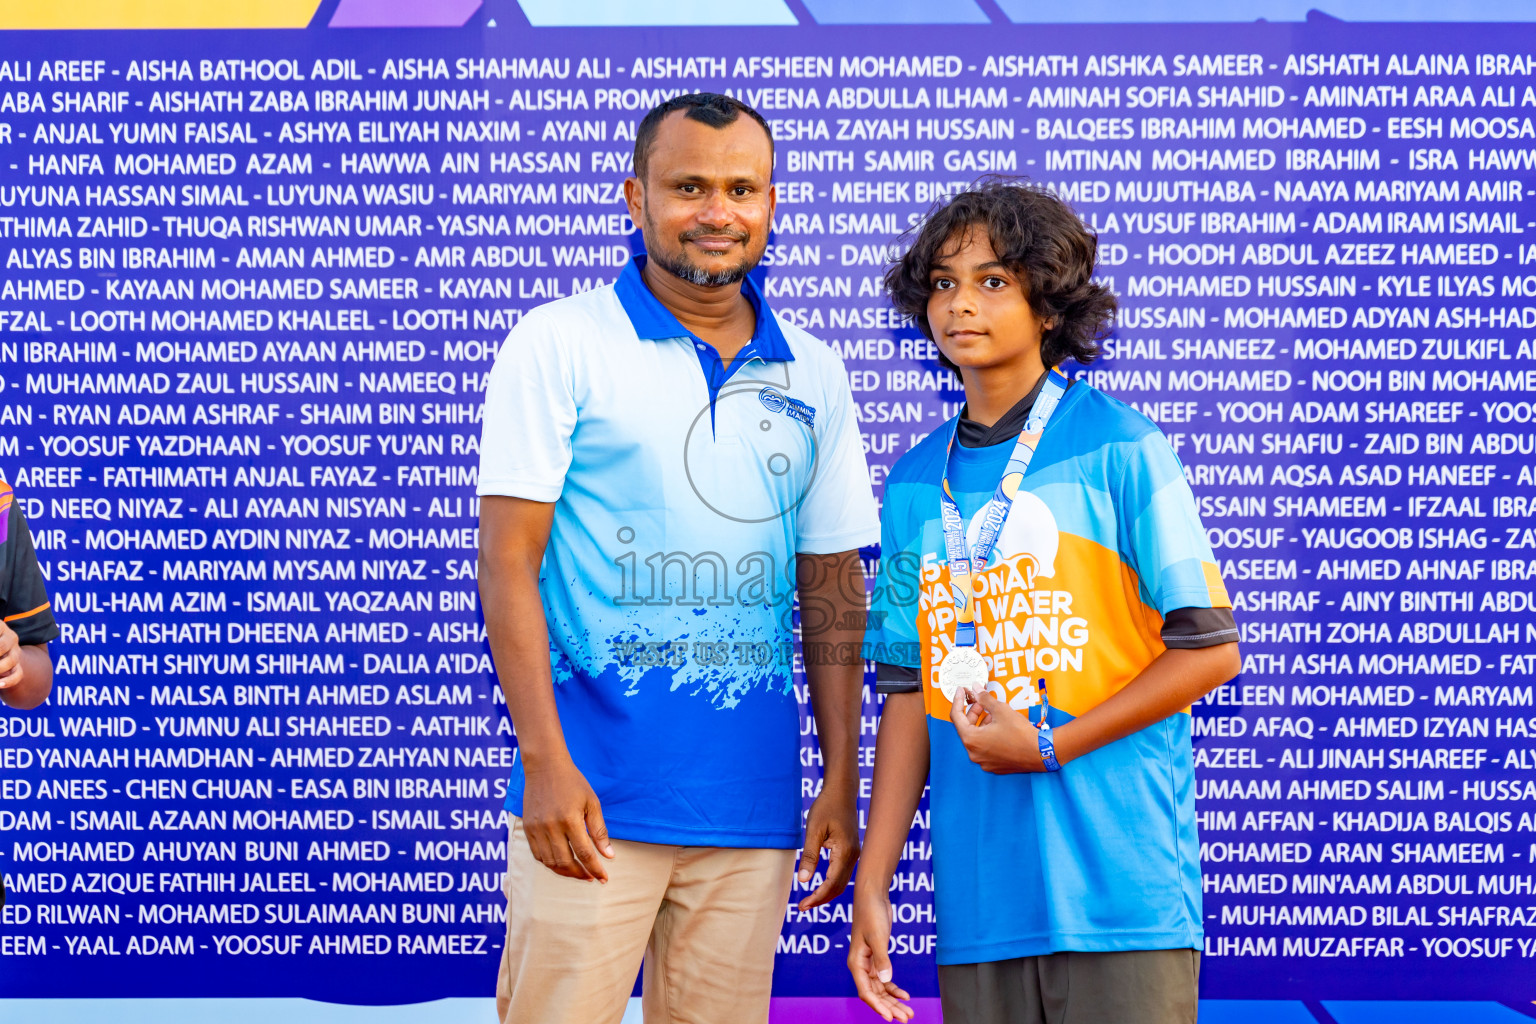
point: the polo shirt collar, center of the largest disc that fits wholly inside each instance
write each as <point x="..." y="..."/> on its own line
<point x="654" y="322"/>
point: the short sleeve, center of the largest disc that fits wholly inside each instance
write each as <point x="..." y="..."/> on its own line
<point x="897" y="678"/>
<point x="891" y="637"/>
<point x="530" y="414"/>
<point x="838" y="513"/>
<point x="1191" y="629"/>
<point x="1164" y="540"/>
<point x="25" y="606"/>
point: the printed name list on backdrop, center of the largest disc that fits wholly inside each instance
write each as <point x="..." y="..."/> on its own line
<point x="252" y="287"/>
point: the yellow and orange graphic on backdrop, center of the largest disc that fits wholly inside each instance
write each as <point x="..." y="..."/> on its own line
<point x="117" y="14"/>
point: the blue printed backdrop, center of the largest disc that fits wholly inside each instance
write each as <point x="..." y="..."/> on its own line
<point x="253" y="282"/>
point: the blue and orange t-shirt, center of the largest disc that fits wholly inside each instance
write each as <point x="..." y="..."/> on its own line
<point x="1102" y="543"/>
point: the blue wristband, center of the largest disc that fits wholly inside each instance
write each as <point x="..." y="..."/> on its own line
<point x="1047" y="745"/>
<point x="1048" y="748"/>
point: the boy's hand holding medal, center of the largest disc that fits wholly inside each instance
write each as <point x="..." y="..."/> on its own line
<point x="999" y="739"/>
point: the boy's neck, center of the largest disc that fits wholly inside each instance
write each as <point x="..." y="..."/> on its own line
<point x="992" y="390"/>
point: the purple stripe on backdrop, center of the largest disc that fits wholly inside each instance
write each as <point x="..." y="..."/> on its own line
<point x="403" y="13"/>
<point x="842" y="1011"/>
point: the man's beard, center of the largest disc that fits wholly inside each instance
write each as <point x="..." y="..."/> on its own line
<point x="679" y="265"/>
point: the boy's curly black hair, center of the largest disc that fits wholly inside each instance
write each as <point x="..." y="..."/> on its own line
<point x="1035" y="235"/>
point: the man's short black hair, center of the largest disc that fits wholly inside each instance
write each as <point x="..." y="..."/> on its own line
<point x="711" y="108"/>
<point x="1035" y="235"/>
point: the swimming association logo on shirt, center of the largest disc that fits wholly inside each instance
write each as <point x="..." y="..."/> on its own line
<point x="775" y="400"/>
<point x="747" y="467"/>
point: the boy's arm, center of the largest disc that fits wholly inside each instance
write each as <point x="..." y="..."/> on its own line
<point x="831" y="590"/>
<point x="1174" y="681"/>
<point x="1003" y="741"/>
<point x="901" y="772"/>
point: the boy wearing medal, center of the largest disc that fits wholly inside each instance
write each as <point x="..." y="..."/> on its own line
<point x="1050" y="608"/>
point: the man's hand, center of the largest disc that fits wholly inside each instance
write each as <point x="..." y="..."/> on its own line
<point x="868" y="961"/>
<point x="563" y="821"/>
<point x="998" y="738"/>
<point x="833" y="824"/>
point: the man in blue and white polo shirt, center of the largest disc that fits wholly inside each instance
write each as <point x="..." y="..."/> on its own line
<point x="665" y="464"/>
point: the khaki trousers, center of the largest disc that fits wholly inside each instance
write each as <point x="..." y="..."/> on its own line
<point x="705" y="920"/>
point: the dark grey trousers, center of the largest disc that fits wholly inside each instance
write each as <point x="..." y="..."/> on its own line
<point x="1159" y="986"/>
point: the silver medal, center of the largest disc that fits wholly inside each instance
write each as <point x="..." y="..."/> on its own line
<point x="963" y="667"/>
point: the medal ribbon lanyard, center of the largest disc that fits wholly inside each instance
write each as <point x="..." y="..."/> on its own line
<point x="964" y="563"/>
